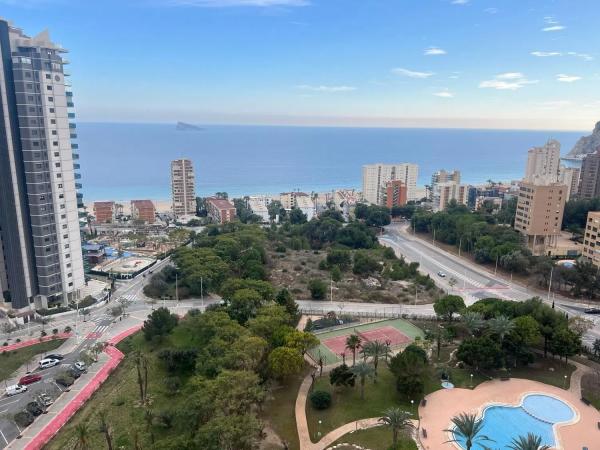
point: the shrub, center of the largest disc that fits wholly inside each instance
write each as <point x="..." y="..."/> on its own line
<point x="24" y="418"/>
<point x="320" y="399"/>
<point x="317" y="289"/>
<point x="68" y="329"/>
<point x="55" y="331"/>
<point x="64" y="379"/>
<point x="280" y="248"/>
<point x="172" y="384"/>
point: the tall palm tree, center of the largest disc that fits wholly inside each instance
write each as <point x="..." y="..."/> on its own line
<point x="362" y="371"/>
<point x="353" y="344"/>
<point x="105" y="429"/>
<point x="474" y="321"/>
<point x="500" y="326"/>
<point x="83" y="433"/>
<point x="468" y="427"/>
<point x="529" y="442"/>
<point x="375" y="350"/>
<point x="398" y="421"/>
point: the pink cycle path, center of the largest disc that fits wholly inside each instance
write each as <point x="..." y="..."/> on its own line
<point x="48" y="432"/>
<point x="18" y="345"/>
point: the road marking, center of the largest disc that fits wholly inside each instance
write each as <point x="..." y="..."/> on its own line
<point x="3" y="437"/>
<point x="10" y="403"/>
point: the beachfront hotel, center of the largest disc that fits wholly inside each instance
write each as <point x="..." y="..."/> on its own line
<point x="376" y="176"/>
<point x="41" y="263"/>
<point x="183" y="188"/>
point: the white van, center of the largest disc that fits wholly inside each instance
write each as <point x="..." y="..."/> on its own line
<point x="15" y="389"/>
<point x="48" y="362"/>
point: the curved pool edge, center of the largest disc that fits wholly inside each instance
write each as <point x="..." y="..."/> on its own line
<point x="555" y="427"/>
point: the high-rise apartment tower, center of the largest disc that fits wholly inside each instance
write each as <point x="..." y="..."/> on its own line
<point x="183" y="187"/>
<point x="376" y="176"/>
<point x="41" y="264"/>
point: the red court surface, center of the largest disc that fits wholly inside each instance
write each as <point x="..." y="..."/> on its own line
<point x="338" y="344"/>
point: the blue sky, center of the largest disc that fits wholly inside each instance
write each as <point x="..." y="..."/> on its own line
<point x="447" y="63"/>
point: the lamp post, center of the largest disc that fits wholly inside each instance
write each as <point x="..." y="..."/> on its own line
<point x="471" y="380"/>
<point x="566" y="382"/>
<point x="550" y="282"/>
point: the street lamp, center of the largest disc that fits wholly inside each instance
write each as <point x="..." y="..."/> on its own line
<point x="566" y="381"/>
<point x="471" y="380"/>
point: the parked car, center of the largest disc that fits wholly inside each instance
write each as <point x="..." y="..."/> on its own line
<point x="34" y="408"/>
<point x="48" y="362"/>
<point x="74" y="372"/>
<point x="45" y="399"/>
<point x="29" y="379"/>
<point x="15" y="389"/>
<point x="24" y="418"/>
<point x="80" y="365"/>
<point x="55" y="356"/>
<point x="441" y="274"/>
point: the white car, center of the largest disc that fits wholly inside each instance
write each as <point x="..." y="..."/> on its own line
<point x="441" y="274"/>
<point x="79" y="365"/>
<point x="15" y="389"/>
<point x="48" y="362"/>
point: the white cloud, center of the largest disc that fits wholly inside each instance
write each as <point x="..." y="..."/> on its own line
<point x="492" y="10"/>
<point x="567" y="78"/>
<point x="583" y="56"/>
<point x="433" y="51"/>
<point x="550" y="20"/>
<point x="411" y="73"/>
<point x="229" y="3"/>
<point x="444" y="94"/>
<point x="554" y="28"/>
<point x="510" y="81"/>
<point x="546" y="54"/>
<point x="322" y="88"/>
<point x="460" y="2"/>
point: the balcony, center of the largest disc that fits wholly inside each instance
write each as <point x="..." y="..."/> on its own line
<point x="73" y="135"/>
<point x="71" y="115"/>
<point x="75" y="155"/>
<point x="74" y="146"/>
<point x="77" y="176"/>
<point x="78" y="186"/>
<point x="68" y="93"/>
<point x="72" y="126"/>
<point x="76" y="166"/>
<point x="70" y="105"/>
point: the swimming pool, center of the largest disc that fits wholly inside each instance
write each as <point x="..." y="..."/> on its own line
<point x="537" y="413"/>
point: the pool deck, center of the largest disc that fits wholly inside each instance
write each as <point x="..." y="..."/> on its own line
<point x="444" y="404"/>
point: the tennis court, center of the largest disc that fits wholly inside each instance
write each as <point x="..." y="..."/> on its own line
<point x="396" y="332"/>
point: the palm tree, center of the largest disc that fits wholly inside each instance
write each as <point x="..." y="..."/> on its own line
<point x="375" y="349"/>
<point x="82" y="431"/>
<point x="468" y="427"/>
<point x="105" y="429"/>
<point x="397" y="420"/>
<point x="529" y="442"/>
<point x="353" y="344"/>
<point x="500" y="326"/>
<point x="473" y="321"/>
<point x="362" y="370"/>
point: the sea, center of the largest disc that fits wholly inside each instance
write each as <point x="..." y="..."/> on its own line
<point x="121" y="161"/>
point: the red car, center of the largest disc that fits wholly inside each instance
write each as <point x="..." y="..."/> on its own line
<point x="28" y="379"/>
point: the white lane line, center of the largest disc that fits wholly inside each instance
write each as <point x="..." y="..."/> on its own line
<point x="3" y="437"/>
<point x="9" y="403"/>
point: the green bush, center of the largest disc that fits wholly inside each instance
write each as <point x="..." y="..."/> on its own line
<point x="317" y="288"/>
<point x="320" y="399"/>
<point x="24" y="419"/>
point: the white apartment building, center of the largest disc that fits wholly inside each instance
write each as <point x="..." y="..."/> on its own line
<point x="259" y="206"/>
<point x="543" y="163"/>
<point x="444" y="192"/>
<point x="375" y="177"/>
<point x="183" y="188"/>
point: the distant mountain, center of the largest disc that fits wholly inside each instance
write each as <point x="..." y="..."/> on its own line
<point x="182" y="126"/>
<point x="587" y="144"/>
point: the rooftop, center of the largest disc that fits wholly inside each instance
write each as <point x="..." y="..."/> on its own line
<point x="220" y="203"/>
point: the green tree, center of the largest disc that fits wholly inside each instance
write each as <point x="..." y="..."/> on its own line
<point x="362" y="371"/>
<point x="375" y="350"/>
<point x="529" y="442"/>
<point x="365" y="264"/>
<point x="500" y="326"/>
<point x="480" y="353"/>
<point x="468" y="427"/>
<point x="301" y="341"/>
<point x="473" y="322"/>
<point x="565" y="343"/>
<point x="409" y="369"/>
<point x="320" y="399"/>
<point x="399" y="421"/>
<point x="317" y="289"/>
<point x="447" y="306"/>
<point x="158" y="324"/>
<point x="84" y="436"/>
<point x="106" y="429"/>
<point x="336" y="274"/>
<point x="353" y="343"/>
<point x="342" y="376"/>
<point x="244" y="305"/>
<point x="285" y="299"/>
<point x="285" y="361"/>
<point x="297" y="217"/>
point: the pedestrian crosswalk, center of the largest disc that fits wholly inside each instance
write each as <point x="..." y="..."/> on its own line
<point x="101" y="318"/>
<point x="98" y="331"/>
<point x="128" y="297"/>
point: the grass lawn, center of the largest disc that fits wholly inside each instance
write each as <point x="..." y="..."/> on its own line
<point x="376" y="438"/>
<point x="278" y="410"/>
<point x="590" y="386"/>
<point x="347" y="406"/>
<point x="11" y="361"/>
<point x="545" y="370"/>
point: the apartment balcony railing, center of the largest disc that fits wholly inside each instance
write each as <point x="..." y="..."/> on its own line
<point x="78" y="186"/>
<point x="71" y="115"/>
<point x="75" y="155"/>
<point x="77" y="176"/>
<point x="74" y="146"/>
<point x="72" y="126"/>
<point x="76" y="166"/>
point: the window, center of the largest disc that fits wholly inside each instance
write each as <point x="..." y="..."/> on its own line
<point x="53" y="121"/>
<point x="48" y="88"/>
<point x="62" y="206"/>
<point x="68" y="265"/>
<point x="69" y="275"/>
<point x="63" y="216"/>
<point x="48" y="76"/>
<point x="60" y="186"/>
<point x="61" y="195"/>
<point x="66" y="245"/>
<point x="50" y="99"/>
<point x="55" y="143"/>
<point x="57" y="154"/>
<point x="64" y="226"/>
<point x="65" y="236"/>
<point x="54" y="132"/>
<point x="59" y="175"/>
<point x="56" y="164"/>
<point x="70" y="284"/>
<point x="52" y="110"/>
